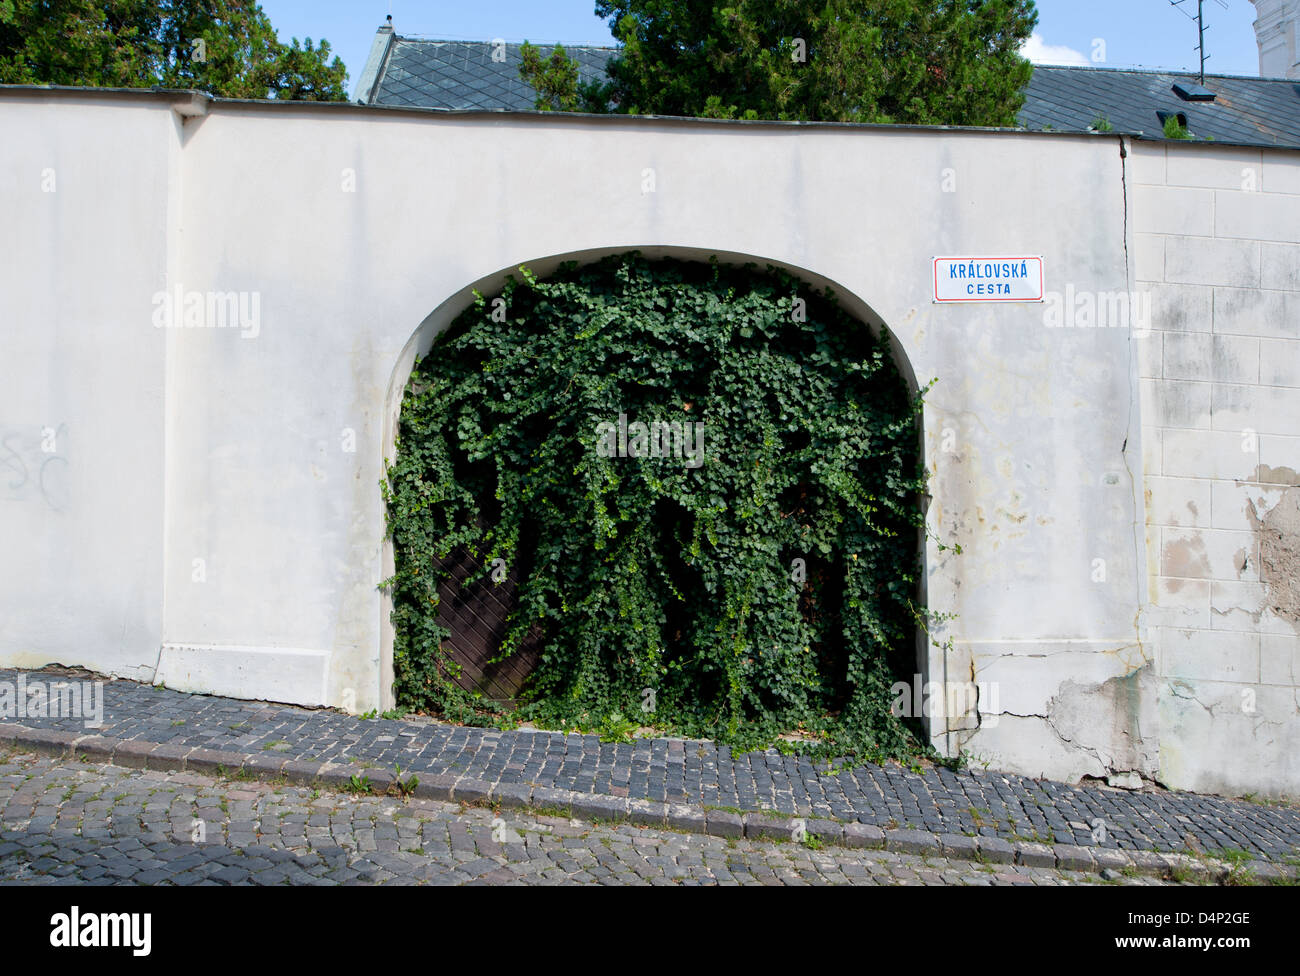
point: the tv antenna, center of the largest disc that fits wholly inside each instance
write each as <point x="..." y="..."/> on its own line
<point x="1200" y="28"/>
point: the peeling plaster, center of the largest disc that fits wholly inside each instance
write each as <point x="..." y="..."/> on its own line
<point x="1275" y="476"/>
<point x="1279" y="545"/>
<point x="1185" y="558"/>
<point x="1115" y="721"/>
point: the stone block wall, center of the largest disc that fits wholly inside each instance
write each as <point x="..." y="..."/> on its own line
<point x="1215" y="247"/>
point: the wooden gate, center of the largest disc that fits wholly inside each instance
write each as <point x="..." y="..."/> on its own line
<point x="475" y="612"/>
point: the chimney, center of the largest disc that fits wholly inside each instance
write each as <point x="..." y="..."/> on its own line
<point x="1277" y="32"/>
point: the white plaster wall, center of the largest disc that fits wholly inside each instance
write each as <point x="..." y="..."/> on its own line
<point x="251" y="494"/>
<point x="290" y="524"/>
<point x="1217" y="242"/>
<point x="86" y="197"/>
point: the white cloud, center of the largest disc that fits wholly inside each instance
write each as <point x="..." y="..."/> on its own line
<point x="1041" y="53"/>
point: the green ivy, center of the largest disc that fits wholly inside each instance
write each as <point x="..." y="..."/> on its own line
<point x="656" y="580"/>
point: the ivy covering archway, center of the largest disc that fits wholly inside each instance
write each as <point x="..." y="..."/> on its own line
<point x="706" y="480"/>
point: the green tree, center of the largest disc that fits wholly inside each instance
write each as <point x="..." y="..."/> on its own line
<point x="925" y="62"/>
<point x="226" y="47"/>
<point x="556" y="80"/>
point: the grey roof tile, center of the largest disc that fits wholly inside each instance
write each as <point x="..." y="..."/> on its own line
<point x="1250" y="111"/>
<point x="463" y="75"/>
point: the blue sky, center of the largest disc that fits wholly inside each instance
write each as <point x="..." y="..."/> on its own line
<point x="1142" y="33"/>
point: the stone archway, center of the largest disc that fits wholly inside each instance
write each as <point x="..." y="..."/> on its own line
<point x="477" y="611"/>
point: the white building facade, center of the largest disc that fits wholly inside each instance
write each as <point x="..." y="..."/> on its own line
<point x="1277" y="33"/>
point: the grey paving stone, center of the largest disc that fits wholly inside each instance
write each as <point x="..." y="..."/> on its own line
<point x="381" y="780"/>
<point x="1271" y="873"/>
<point x="47" y="741"/>
<point x="509" y="795"/>
<point x="959" y="846"/>
<point x="300" y="771"/>
<point x="336" y="775"/>
<point x="1112" y="860"/>
<point x="911" y="841"/>
<point x="827" y="831"/>
<point x="132" y="754"/>
<point x="863" y="836"/>
<point x="550" y="800"/>
<point x="167" y="756"/>
<point x="472" y="791"/>
<point x="595" y="807"/>
<point x="96" y="747"/>
<point x="1193" y="868"/>
<point x="212" y="762"/>
<point x="723" y="823"/>
<point x="680" y="817"/>
<point x="265" y="765"/>
<point x="765" y="826"/>
<point x="1070" y="857"/>
<point x="1150" y="862"/>
<point x="646" y="812"/>
<point x="1033" y="855"/>
<point x="995" y="850"/>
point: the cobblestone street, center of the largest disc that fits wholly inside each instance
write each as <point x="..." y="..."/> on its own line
<point x="71" y="823"/>
<point x="1064" y="825"/>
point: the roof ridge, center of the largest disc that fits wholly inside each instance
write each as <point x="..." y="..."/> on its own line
<point x="425" y="39"/>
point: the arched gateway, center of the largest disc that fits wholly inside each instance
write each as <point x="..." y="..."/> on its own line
<point x="683" y="490"/>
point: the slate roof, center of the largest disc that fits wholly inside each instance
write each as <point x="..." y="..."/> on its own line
<point x="416" y="72"/>
<point x="463" y="75"/>
<point x="1245" y="111"/>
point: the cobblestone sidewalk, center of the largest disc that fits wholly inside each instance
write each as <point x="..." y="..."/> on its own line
<point x="145" y="725"/>
<point x="63" y="822"/>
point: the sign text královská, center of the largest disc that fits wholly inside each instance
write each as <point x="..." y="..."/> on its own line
<point x="1018" y="279"/>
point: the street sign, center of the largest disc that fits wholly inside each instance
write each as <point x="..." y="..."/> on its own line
<point x="999" y="279"/>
